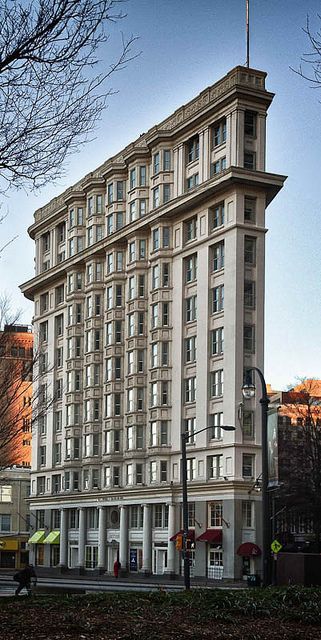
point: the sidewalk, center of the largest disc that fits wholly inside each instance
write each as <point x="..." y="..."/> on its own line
<point x="139" y="579"/>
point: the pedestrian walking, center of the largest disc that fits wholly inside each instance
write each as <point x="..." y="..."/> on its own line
<point x="24" y="578"/>
<point x="116" y="568"/>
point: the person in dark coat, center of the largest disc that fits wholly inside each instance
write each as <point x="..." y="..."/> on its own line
<point x="24" y="578"/>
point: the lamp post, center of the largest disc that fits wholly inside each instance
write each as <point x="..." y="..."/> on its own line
<point x="185" y="436"/>
<point x="248" y="391"/>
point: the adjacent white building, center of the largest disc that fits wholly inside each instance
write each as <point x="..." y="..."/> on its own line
<point x="149" y="307"/>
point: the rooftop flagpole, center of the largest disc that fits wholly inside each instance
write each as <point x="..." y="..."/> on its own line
<point x="247" y="33"/>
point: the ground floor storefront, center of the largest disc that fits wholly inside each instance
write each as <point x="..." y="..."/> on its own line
<point x="13" y="552"/>
<point x="146" y="538"/>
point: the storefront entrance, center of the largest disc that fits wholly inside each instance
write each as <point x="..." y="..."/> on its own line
<point x="160" y="560"/>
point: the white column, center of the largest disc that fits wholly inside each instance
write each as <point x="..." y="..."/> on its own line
<point x="261" y="133"/>
<point x="102" y="541"/>
<point x="123" y="538"/>
<point x="181" y="170"/>
<point x="147" y="539"/>
<point x="82" y="537"/>
<point x="63" y="560"/>
<point x="201" y="156"/>
<point x="205" y="155"/>
<point x="175" y="165"/>
<point x="171" y="545"/>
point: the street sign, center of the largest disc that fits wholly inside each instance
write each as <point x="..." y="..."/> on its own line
<point x="276" y="546"/>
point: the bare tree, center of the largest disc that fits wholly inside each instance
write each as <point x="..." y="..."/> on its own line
<point x="310" y="66"/>
<point x="300" y="455"/>
<point x="51" y="90"/>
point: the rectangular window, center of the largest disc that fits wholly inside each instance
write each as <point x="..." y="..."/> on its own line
<point x="190" y="309"/>
<point x="190" y="389"/>
<point x="141" y="286"/>
<point x="155" y="277"/>
<point x="218" y="215"/>
<point x="219" y="133"/>
<point x="215" y="467"/>
<point x="190" y="349"/>
<point x="163" y="471"/>
<point x="132" y="211"/>
<point x="155" y="239"/>
<point x="192" y="181"/>
<point x="142" y="207"/>
<point x="120" y="190"/>
<point x="189" y="428"/>
<point x="191" y="268"/>
<point x="154" y="314"/>
<point x="132" y="179"/>
<point x="218" y="298"/>
<point x="164" y="432"/>
<point x="156" y="197"/>
<point x="249" y="338"/>
<point x="247" y="465"/>
<point x="131" y="287"/>
<point x="110" y="194"/>
<point x="191" y="468"/>
<point x="166" y="160"/>
<point x="142" y="249"/>
<point x="250" y="250"/>
<point x="165" y="314"/>
<point x="165" y="274"/>
<point x="142" y="176"/>
<point x="216" y="422"/>
<point x="217" y="341"/>
<point x="249" y="160"/>
<point x="218" y="166"/>
<point x="249" y="209"/>
<point x="249" y="294"/>
<point x="119" y="220"/>
<point x="217" y="383"/>
<point x="153" y="471"/>
<point x="166" y="193"/>
<point x="250" y="123"/>
<point x="166" y="237"/>
<point x="156" y="166"/>
<point x="139" y="473"/>
<point x="6" y="493"/>
<point x="193" y="149"/>
<point x="190" y="229"/>
<point x="165" y="352"/>
<point x="215" y="514"/>
<point x="248" y="425"/>
<point x="247" y="514"/>
<point x="218" y="256"/>
<point x="5" y="523"/>
<point x="153" y="394"/>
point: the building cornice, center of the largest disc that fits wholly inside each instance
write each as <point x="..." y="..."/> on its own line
<point x="239" y="81"/>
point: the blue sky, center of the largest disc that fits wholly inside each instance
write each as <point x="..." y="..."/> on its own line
<point x="186" y="46"/>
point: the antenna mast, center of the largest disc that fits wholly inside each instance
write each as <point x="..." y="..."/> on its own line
<point x="247" y="33"/>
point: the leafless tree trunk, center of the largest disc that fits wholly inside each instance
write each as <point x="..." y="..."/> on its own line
<point x="51" y="91"/>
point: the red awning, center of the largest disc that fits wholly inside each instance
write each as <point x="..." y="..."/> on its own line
<point x="191" y="535"/>
<point x="248" y="549"/>
<point x="211" y="535"/>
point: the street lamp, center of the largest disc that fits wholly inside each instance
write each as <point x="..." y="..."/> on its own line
<point x="248" y="391"/>
<point x="185" y="435"/>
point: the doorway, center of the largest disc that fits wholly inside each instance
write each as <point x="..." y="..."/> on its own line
<point x="160" y="560"/>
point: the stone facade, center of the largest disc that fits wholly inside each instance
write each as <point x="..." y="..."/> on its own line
<point x="149" y="302"/>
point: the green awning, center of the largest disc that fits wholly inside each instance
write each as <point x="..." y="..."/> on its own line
<point x="37" y="537"/>
<point x="52" y="538"/>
